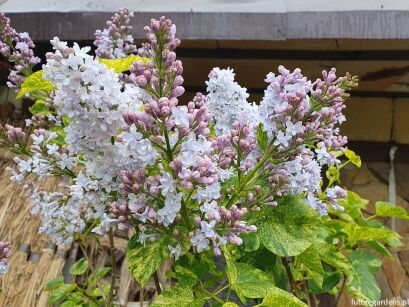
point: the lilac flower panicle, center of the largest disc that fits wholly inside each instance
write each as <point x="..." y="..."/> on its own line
<point x="116" y="41"/>
<point x="17" y="48"/>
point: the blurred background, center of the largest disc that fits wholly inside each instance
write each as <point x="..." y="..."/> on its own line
<point x="368" y="38"/>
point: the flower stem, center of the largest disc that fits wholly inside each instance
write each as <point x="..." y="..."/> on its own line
<point x="113" y="260"/>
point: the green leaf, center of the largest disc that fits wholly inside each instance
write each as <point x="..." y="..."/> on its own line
<point x="361" y="283"/>
<point x="101" y="291"/>
<point x="60" y="293"/>
<point x="278" y="297"/>
<point x="251" y="242"/>
<point x="332" y="173"/>
<point x="288" y="227"/>
<point x="380" y="248"/>
<point x="185" y="276"/>
<point x="230" y="304"/>
<point x="122" y="64"/>
<point x="358" y="233"/>
<point x="99" y="274"/>
<point x="252" y="282"/>
<point x="311" y="262"/>
<point x="270" y="264"/>
<point x="79" y="267"/>
<point x="355" y="159"/>
<point x="332" y="255"/>
<point x="55" y="283"/>
<point x="39" y="108"/>
<point x="145" y="259"/>
<point x="35" y="82"/>
<point x="390" y="210"/>
<point x="70" y="304"/>
<point x="262" y="137"/>
<point x="331" y="279"/>
<point x="353" y="204"/>
<point x="177" y="296"/>
<point x="60" y="139"/>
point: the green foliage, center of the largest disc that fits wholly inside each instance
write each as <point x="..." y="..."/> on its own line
<point x="39" y="108"/>
<point x="251" y="282"/>
<point x="361" y="281"/>
<point x="60" y="293"/>
<point x="79" y="267"/>
<point x="279" y="297"/>
<point x="251" y="242"/>
<point x="262" y="137"/>
<point x="35" y="82"/>
<point x="288" y="227"/>
<point x="177" y="296"/>
<point x="390" y="210"/>
<point x="358" y="233"/>
<point x="122" y="64"/>
<point x="353" y="158"/>
<point x="269" y="263"/>
<point x="54" y="284"/>
<point x="99" y="274"/>
<point x="310" y="261"/>
<point x="61" y="134"/>
<point x="145" y="259"/>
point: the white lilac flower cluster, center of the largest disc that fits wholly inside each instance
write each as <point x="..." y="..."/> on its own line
<point x="227" y="101"/>
<point x="135" y="158"/>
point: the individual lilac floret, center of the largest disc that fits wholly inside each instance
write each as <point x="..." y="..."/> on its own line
<point x="17" y="48"/>
<point x="4" y="256"/>
<point x="334" y="194"/>
<point x="116" y="41"/>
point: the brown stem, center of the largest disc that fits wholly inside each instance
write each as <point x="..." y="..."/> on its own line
<point x="157" y="284"/>
<point x="286" y="263"/>
<point x="113" y="259"/>
<point x="337" y="301"/>
<point x="307" y="294"/>
<point x="316" y="300"/>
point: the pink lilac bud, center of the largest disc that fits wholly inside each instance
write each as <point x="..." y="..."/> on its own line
<point x="116" y="41"/>
<point x="14" y="134"/>
<point x="233" y="239"/>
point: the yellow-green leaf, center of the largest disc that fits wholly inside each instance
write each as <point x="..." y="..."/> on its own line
<point x="79" y="267"/>
<point x="145" y="259"/>
<point x="278" y="297"/>
<point x="122" y="64"/>
<point x="177" y="296"/>
<point x="387" y="209"/>
<point x="310" y="261"/>
<point x="358" y="233"/>
<point x="35" y="82"/>
<point x="288" y="227"/>
<point x="39" y="108"/>
<point x="353" y="157"/>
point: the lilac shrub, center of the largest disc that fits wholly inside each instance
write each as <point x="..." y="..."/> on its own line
<point x="217" y="176"/>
